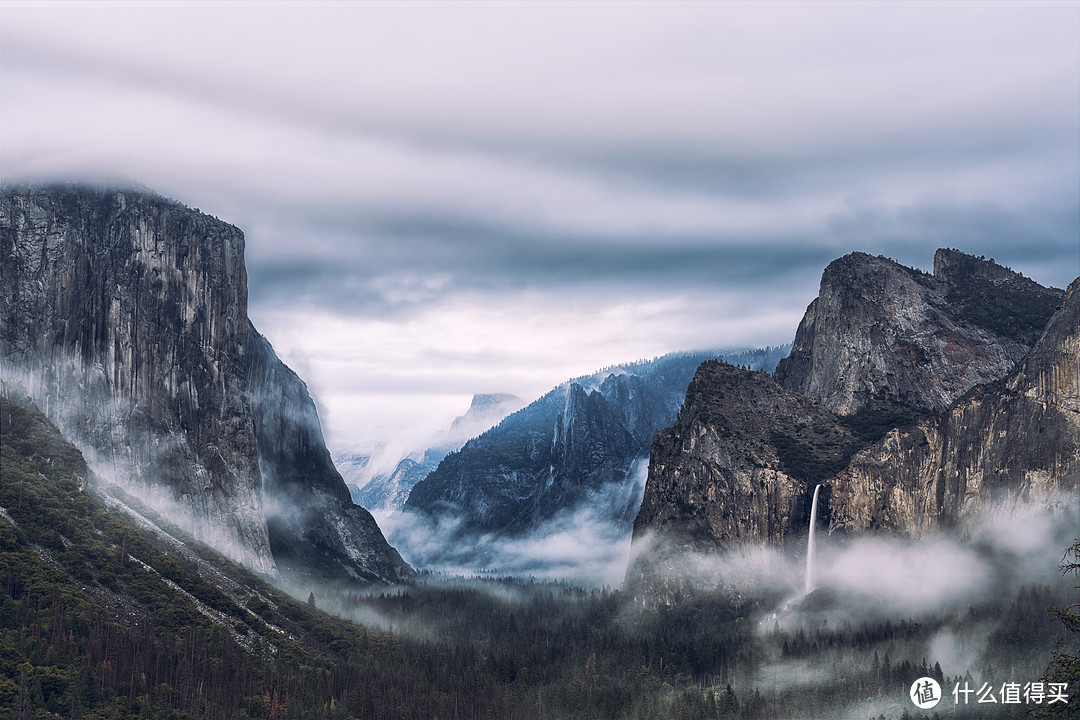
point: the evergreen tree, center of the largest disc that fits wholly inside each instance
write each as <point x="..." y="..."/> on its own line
<point x="729" y="703"/>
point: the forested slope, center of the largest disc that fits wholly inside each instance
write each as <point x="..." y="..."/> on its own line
<point x="103" y="615"/>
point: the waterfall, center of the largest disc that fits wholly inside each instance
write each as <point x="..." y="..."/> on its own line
<point x="810" y="543"/>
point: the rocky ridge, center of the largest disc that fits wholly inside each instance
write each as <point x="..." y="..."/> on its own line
<point x="855" y="408"/>
<point x="387" y="492"/>
<point x="1011" y="442"/>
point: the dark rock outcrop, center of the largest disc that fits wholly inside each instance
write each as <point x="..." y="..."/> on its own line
<point x="124" y="316"/>
<point x="881" y="332"/>
<point x="739" y="465"/>
<point x="740" y="462"/>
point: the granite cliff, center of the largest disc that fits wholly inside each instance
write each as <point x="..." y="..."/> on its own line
<point x="1012" y="442"/>
<point x="123" y="316"/>
<point x="739" y="464"/>
<point x="880" y="332"/>
<point x="917" y="401"/>
<point x="740" y="461"/>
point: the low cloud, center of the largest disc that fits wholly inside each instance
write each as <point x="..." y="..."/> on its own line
<point x="868" y="577"/>
<point x="588" y="545"/>
<point x="394" y="382"/>
<point x="939" y="597"/>
<point x="931" y="574"/>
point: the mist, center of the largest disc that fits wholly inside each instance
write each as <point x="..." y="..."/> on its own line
<point x="588" y="545"/>
<point x="884" y="607"/>
<point x="872" y="575"/>
<point x="947" y="598"/>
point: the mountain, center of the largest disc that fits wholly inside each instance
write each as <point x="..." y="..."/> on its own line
<point x="111" y="611"/>
<point x="485" y="410"/>
<point x="855" y="408"/>
<point x="1014" y="441"/>
<point x="739" y="459"/>
<point x="123" y="316"/>
<point x="581" y="439"/>
<point x="133" y="608"/>
<point x="387" y="492"/>
<point x="881" y="333"/>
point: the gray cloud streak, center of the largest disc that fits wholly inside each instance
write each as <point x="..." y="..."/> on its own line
<point x="398" y="164"/>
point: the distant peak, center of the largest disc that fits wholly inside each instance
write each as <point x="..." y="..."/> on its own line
<point x="486" y="409"/>
<point x="481" y="401"/>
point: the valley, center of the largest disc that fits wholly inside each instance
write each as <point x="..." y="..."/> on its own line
<point x="178" y="542"/>
<point x="104" y="618"/>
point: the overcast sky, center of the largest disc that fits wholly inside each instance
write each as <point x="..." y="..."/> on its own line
<point x="448" y="198"/>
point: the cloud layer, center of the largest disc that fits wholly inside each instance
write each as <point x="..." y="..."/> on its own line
<point x="869" y="577"/>
<point x="442" y="199"/>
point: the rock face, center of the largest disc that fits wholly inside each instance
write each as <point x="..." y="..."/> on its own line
<point x="741" y="461"/>
<point x="522" y="472"/>
<point x="902" y="397"/>
<point x="552" y="455"/>
<point x="882" y="332"/>
<point x="316" y="532"/>
<point x="124" y="316"/>
<point x="739" y="464"/>
<point x="1015" y="441"/>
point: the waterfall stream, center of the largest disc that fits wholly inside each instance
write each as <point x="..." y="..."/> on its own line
<point x="810" y="543"/>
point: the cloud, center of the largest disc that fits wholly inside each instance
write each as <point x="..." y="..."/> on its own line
<point x="476" y="73"/>
<point x="399" y="165"/>
<point x="411" y="374"/>
<point x="587" y="545"/>
<point x="869" y="577"/>
<point x="898" y="576"/>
